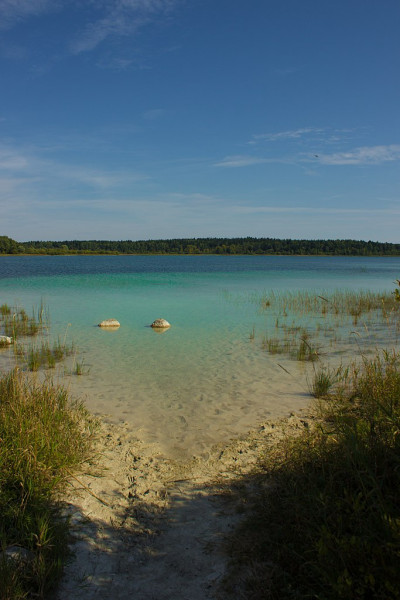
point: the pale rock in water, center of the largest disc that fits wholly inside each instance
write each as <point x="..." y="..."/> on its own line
<point x="109" y="323"/>
<point x="160" y="324"/>
<point x="4" y="339"/>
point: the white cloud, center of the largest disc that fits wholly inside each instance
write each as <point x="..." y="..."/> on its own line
<point x="291" y="134"/>
<point x="367" y="155"/>
<point x="12" y="11"/>
<point x="244" y="161"/>
<point x="22" y="166"/>
<point x="12" y="161"/>
<point x="108" y="19"/>
<point x="120" y="18"/>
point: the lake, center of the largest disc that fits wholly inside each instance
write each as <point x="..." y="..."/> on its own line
<point x="207" y="378"/>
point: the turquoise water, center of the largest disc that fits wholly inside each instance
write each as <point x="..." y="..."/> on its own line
<point x="203" y="380"/>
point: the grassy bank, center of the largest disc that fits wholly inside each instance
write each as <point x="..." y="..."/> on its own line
<point x="44" y="436"/>
<point x="324" y="520"/>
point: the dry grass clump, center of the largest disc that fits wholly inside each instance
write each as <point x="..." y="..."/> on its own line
<point x="44" y="435"/>
<point x="325" y="522"/>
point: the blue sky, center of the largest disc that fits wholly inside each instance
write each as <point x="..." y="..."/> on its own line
<point x="138" y="119"/>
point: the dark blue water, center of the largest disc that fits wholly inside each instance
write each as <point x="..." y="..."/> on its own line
<point x="380" y="268"/>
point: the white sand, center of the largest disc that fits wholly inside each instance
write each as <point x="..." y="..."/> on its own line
<point x="151" y="528"/>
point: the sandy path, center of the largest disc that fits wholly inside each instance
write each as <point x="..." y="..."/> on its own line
<point x="149" y="528"/>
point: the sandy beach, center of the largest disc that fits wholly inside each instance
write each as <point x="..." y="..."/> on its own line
<point x="148" y="527"/>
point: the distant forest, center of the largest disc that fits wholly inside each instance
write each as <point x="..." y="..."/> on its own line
<point x="246" y="245"/>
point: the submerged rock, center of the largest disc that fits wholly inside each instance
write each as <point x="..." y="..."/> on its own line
<point x="109" y="323"/>
<point x="5" y="340"/>
<point x="160" y="324"/>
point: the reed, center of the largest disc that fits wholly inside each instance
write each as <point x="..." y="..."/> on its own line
<point x="80" y="368"/>
<point x="306" y="351"/>
<point x="301" y="317"/>
<point x="296" y="345"/>
<point x="19" y="324"/>
<point x="5" y="310"/>
<point x="335" y="303"/>
<point x="45" y="355"/>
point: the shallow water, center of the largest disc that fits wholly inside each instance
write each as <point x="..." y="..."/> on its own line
<point x="204" y="380"/>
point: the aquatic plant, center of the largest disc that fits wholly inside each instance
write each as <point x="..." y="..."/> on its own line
<point x="397" y="291"/>
<point x="19" y="324"/>
<point x="46" y="355"/>
<point x="300" y="317"/>
<point x="5" y="309"/>
<point x="306" y="351"/>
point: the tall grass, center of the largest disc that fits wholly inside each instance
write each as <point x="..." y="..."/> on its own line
<point x="326" y="521"/>
<point x="44" y="435"/>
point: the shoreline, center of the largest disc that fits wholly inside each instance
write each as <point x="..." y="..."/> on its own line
<point x="70" y="254"/>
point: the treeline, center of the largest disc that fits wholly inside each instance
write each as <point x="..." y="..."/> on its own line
<point x="246" y="245"/>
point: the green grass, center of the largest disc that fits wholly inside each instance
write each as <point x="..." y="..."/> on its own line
<point x="325" y="521"/>
<point x="44" y="436"/>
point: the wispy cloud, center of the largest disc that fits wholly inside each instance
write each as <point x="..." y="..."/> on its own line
<point x="107" y="19"/>
<point x="243" y="160"/>
<point x="120" y="18"/>
<point x="11" y="160"/>
<point x="292" y="134"/>
<point x="13" y="11"/>
<point x="286" y="71"/>
<point x="305" y="135"/>
<point x="367" y="155"/>
<point x="153" y="114"/>
<point x="28" y="167"/>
